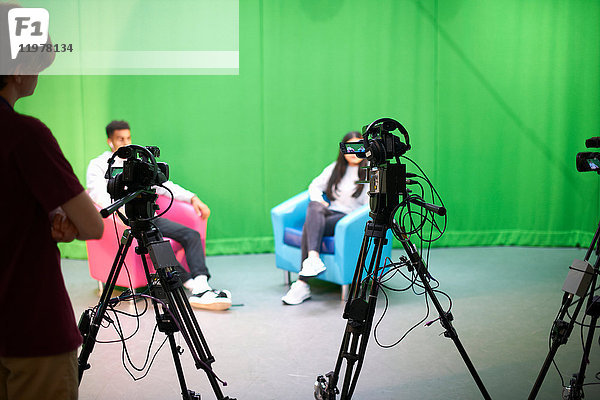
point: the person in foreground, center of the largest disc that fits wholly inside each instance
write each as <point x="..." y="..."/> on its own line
<point x="203" y="296"/>
<point x="333" y="194"/>
<point x="44" y="204"/>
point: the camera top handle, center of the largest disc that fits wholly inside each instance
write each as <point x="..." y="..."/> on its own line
<point x="130" y="151"/>
<point x="379" y="154"/>
<point x="389" y="125"/>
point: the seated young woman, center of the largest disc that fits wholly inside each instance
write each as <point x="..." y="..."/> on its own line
<point x="333" y="194"/>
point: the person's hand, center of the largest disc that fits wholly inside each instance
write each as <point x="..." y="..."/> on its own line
<point x="326" y="204"/>
<point x="201" y="209"/>
<point x="62" y="229"/>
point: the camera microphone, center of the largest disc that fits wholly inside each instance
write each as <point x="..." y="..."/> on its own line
<point x="593" y="142"/>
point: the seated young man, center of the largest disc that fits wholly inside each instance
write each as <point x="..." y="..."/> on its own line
<point x="203" y="296"/>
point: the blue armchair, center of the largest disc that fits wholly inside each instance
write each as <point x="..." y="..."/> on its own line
<point x="339" y="252"/>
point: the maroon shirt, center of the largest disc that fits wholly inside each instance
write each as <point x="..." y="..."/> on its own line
<point x="37" y="315"/>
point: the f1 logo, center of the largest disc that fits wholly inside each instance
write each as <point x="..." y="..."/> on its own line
<point x="27" y="26"/>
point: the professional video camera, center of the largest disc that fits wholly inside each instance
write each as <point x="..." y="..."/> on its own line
<point x="140" y="170"/>
<point x="387" y="181"/>
<point x="589" y="160"/>
<point x="131" y="184"/>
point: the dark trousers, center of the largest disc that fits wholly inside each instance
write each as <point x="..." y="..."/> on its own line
<point x="320" y="221"/>
<point x="191" y="242"/>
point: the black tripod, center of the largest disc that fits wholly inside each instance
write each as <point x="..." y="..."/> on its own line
<point x="360" y="308"/>
<point x="165" y="288"/>
<point x="580" y="277"/>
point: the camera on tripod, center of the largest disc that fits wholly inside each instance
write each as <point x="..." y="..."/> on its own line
<point x="140" y="170"/>
<point x="388" y="195"/>
<point x="589" y="160"/>
<point x="131" y="184"/>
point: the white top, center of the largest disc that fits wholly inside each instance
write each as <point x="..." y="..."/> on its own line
<point x="344" y="201"/>
<point x="96" y="183"/>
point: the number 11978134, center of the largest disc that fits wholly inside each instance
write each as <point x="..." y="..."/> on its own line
<point x="48" y="47"/>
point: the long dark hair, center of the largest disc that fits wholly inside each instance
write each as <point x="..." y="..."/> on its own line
<point x="340" y="169"/>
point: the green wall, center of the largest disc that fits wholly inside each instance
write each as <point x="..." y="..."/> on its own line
<point x="498" y="97"/>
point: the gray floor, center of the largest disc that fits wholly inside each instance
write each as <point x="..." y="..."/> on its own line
<point x="504" y="301"/>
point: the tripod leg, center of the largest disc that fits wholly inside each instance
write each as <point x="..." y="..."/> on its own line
<point x="358" y="270"/>
<point x="576" y="390"/>
<point x="174" y="351"/>
<point x="561" y="333"/>
<point x="178" y="315"/>
<point x="562" y="330"/>
<point x="353" y="294"/>
<point x="191" y="329"/>
<point x="445" y="318"/>
<point x="452" y="334"/>
<point x="359" y="311"/>
<point x="374" y="291"/>
<point x="88" y="326"/>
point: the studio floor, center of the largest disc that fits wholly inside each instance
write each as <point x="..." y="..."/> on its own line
<point x="504" y="301"/>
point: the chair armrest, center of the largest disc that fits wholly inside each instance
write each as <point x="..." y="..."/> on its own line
<point x="350" y="229"/>
<point x="360" y="215"/>
<point x="183" y="213"/>
<point x="291" y="212"/>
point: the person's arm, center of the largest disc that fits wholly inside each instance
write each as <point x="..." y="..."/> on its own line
<point x="82" y="213"/>
<point x="201" y="209"/>
<point x="96" y="182"/>
<point x="318" y="186"/>
<point x="61" y="228"/>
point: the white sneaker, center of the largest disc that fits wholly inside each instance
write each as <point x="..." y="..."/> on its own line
<point x="312" y="266"/>
<point x="200" y="285"/>
<point x="299" y="291"/>
<point x="216" y="300"/>
<point x="189" y="284"/>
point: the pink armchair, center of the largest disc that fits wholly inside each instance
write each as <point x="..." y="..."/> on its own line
<point x="101" y="253"/>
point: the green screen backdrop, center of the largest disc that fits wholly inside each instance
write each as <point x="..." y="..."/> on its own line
<point x="498" y="97"/>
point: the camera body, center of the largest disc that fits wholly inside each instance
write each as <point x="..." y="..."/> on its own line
<point x="387" y="181"/>
<point x="382" y="144"/>
<point x="140" y="171"/>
